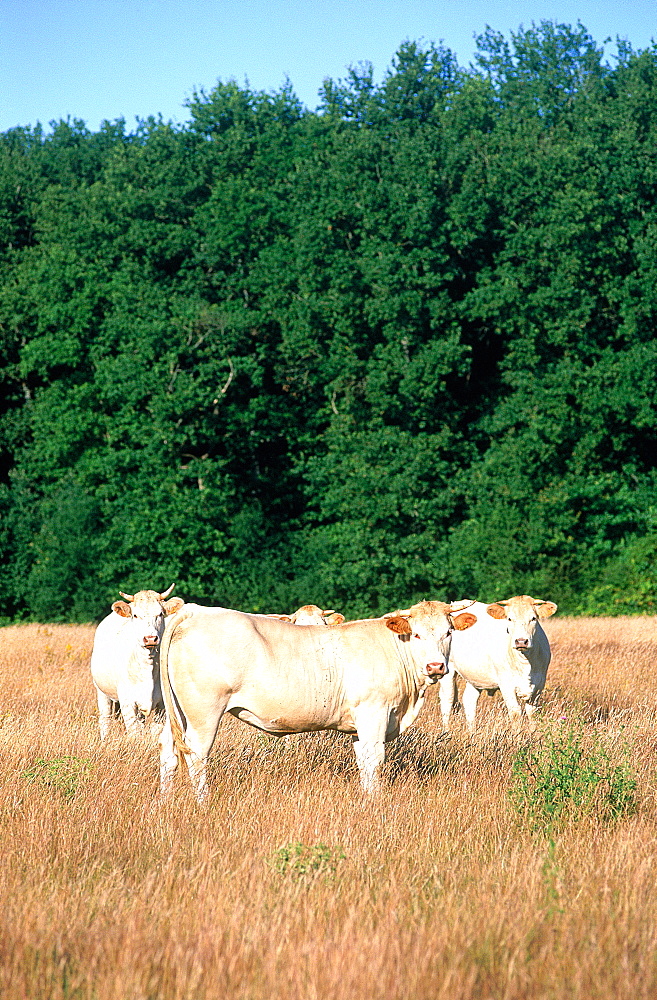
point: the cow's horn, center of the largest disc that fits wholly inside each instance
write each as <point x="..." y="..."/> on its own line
<point x="128" y="597"/>
<point x="460" y="605"/>
<point x="325" y="613"/>
<point x="166" y="593"/>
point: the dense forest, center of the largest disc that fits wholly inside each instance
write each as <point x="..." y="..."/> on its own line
<point x="399" y="346"/>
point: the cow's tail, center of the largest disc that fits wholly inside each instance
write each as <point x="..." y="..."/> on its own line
<point x="172" y="710"/>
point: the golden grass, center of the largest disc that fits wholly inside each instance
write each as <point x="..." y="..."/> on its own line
<point x="110" y="894"/>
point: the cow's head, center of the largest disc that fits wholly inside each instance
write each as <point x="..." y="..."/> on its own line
<point x="147" y="610"/>
<point x="521" y="615"/>
<point x="310" y="614"/>
<point x="428" y="627"/>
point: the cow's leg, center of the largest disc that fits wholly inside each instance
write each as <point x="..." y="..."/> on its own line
<point x="469" y="701"/>
<point x="447" y="685"/>
<point x="105" y="711"/>
<point x="155" y="720"/>
<point x="154" y="724"/>
<point x="512" y="706"/>
<point x="530" y="709"/>
<point x="197" y="760"/>
<point x="133" y="722"/>
<point x="369" y="747"/>
<point x="199" y="737"/>
<point x="198" y="740"/>
<point x="168" y="758"/>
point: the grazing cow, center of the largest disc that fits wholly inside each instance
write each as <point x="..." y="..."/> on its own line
<point x="506" y="650"/>
<point x="368" y="678"/>
<point x="310" y="614"/>
<point x="125" y="659"/>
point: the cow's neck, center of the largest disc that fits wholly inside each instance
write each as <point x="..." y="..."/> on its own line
<point x="520" y="660"/>
<point x="414" y="682"/>
<point x="145" y="660"/>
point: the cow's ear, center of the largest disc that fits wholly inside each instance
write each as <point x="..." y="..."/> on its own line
<point x="399" y="625"/>
<point x="172" y="605"/>
<point x="335" y="619"/>
<point x="123" y="609"/>
<point x="496" y="611"/>
<point x="545" y="609"/>
<point x="466" y="620"/>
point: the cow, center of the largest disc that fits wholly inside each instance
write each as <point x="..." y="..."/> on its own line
<point x="507" y="650"/>
<point x="368" y="678"/>
<point x="311" y="614"/>
<point x="125" y="658"/>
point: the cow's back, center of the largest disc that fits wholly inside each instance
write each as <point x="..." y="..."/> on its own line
<point x="264" y="667"/>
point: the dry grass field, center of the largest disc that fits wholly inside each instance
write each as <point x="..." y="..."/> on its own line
<point x="437" y="889"/>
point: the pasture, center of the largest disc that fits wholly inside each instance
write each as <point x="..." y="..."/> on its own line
<point x="293" y="884"/>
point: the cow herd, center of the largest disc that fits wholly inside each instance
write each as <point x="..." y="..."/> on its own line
<point x="309" y="671"/>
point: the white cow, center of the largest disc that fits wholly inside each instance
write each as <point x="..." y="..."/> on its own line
<point x="506" y="650"/>
<point x="125" y="657"/>
<point x="368" y="678"/>
<point x="311" y="614"/>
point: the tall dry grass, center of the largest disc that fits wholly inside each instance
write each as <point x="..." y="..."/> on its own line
<point x="435" y="890"/>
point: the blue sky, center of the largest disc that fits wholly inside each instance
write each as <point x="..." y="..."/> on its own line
<point x="97" y="59"/>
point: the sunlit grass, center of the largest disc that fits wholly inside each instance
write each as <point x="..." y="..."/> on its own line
<point x="292" y="884"/>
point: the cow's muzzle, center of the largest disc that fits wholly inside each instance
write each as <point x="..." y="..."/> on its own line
<point x="150" y="641"/>
<point x="522" y="643"/>
<point x="436" y="669"/>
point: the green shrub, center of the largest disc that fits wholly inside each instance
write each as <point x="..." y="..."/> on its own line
<point x="628" y="583"/>
<point x="301" y="860"/>
<point x="63" y="774"/>
<point x="559" y="779"/>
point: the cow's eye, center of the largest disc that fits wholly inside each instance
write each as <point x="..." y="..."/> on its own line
<point x="416" y="636"/>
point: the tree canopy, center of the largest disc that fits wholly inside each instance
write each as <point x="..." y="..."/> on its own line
<point x="400" y="346"/>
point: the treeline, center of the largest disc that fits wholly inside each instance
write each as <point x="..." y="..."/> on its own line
<point x="401" y="346"/>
